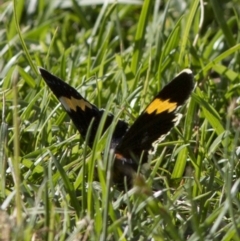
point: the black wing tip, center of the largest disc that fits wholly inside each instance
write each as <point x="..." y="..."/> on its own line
<point x="188" y="74"/>
<point x="186" y="78"/>
<point x="42" y="70"/>
<point x="179" y="89"/>
<point x="44" y="73"/>
<point x="49" y="78"/>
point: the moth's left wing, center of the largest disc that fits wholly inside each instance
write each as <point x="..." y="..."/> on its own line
<point x="81" y="111"/>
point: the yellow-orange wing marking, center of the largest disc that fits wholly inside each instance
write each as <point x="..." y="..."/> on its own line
<point x="160" y="106"/>
<point x="72" y="103"/>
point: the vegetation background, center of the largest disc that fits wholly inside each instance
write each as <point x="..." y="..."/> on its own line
<point x="119" y="54"/>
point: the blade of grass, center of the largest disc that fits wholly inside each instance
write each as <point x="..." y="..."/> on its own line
<point x="22" y="40"/>
<point x="219" y="14"/>
<point x="3" y="150"/>
<point x="139" y="37"/>
<point x="181" y="161"/>
<point x="185" y="35"/>
<point x="16" y="159"/>
<point x="219" y="58"/>
<point x="68" y="186"/>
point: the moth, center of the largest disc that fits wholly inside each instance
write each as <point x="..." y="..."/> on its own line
<point x="130" y="144"/>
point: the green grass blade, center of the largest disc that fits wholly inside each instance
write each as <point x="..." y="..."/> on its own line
<point x="219" y="14"/>
<point x="185" y="35"/>
<point x="139" y="37"/>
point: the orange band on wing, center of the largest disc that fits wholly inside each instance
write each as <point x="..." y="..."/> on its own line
<point x="73" y="103"/>
<point x="160" y="106"/>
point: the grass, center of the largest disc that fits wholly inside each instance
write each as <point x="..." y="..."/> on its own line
<point x="119" y="56"/>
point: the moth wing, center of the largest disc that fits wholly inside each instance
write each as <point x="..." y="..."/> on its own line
<point x="157" y="119"/>
<point x="80" y="110"/>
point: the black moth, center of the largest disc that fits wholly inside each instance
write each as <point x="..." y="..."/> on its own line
<point x="133" y="143"/>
